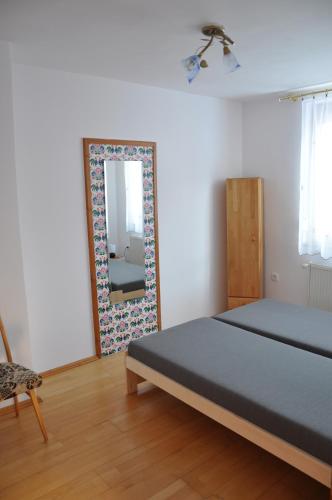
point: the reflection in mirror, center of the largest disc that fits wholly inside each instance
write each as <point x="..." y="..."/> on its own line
<point x="124" y="225"/>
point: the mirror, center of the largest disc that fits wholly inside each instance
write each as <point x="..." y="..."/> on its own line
<point x="122" y="224"/>
<point x="124" y="229"/>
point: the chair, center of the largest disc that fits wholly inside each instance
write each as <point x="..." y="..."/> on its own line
<point x="16" y="379"/>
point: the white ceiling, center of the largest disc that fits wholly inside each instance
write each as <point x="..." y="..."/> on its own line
<point x="281" y="45"/>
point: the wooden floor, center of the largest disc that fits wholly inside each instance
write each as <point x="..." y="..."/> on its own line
<point x="106" y="445"/>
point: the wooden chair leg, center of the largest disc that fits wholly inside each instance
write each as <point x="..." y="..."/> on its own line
<point x="39" y="415"/>
<point x="16" y="405"/>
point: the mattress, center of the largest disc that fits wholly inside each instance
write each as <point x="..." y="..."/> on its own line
<point x="285" y="390"/>
<point x="302" y="327"/>
<point x="126" y="276"/>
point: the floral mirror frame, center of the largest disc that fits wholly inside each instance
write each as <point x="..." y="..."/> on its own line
<point x="116" y="324"/>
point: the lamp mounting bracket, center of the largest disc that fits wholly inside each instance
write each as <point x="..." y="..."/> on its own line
<point x="217" y="31"/>
<point x="213" y="30"/>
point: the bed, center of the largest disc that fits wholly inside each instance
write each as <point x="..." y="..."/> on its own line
<point x="302" y="327"/>
<point x="265" y="390"/>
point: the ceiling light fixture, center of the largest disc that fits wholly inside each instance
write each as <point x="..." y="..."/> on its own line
<point x="194" y="63"/>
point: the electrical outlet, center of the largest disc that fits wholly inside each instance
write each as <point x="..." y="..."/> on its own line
<point x="275" y="276"/>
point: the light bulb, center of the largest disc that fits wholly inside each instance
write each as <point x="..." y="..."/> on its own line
<point x="230" y="61"/>
<point x="192" y="66"/>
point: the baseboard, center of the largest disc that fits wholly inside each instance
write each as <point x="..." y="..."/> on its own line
<point x="21" y="406"/>
<point x="49" y="373"/>
<point x="69" y="366"/>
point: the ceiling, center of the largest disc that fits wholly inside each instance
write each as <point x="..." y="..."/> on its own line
<point x="281" y="45"/>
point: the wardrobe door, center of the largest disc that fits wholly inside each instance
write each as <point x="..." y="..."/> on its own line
<point x="244" y="240"/>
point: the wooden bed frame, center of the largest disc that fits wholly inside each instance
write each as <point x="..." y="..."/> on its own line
<point x="138" y="372"/>
<point x="119" y="296"/>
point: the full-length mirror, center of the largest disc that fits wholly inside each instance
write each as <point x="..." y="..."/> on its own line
<point x="124" y="228"/>
<point x="121" y="204"/>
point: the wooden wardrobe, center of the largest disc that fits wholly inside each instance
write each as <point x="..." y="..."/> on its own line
<point x="244" y="240"/>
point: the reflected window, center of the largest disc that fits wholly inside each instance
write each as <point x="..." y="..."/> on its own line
<point x="134" y="196"/>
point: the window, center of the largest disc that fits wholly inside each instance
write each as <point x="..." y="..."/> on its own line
<point x="315" y="227"/>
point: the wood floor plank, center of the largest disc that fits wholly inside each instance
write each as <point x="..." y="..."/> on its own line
<point x="253" y="480"/>
<point x="280" y="491"/>
<point x="176" y="491"/>
<point x="85" y="487"/>
<point x="106" y="445"/>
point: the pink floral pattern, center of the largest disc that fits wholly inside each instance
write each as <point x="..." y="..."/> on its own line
<point x="120" y="323"/>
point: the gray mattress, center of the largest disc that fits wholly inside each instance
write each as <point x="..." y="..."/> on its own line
<point x="285" y="390"/>
<point x="303" y="327"/>
<point x="126" y="276"/>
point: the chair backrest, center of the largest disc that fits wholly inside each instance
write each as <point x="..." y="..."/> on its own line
<point x="5" y="341"/>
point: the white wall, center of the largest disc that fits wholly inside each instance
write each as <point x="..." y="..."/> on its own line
<point x="271" y="149"/>
<point x="199" y="145"/>
<point x="13" y="307"/>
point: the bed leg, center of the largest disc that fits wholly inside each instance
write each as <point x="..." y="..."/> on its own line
<point x="132" y="381"/>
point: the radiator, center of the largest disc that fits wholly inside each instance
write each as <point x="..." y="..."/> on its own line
<point x="320" y="287"/>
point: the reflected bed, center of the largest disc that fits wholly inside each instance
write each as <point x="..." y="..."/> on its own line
<point x="125" y="276"/>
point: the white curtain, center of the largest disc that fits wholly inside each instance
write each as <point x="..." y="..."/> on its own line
<point x="134" y="196"/>
<point x="315" y="227"/>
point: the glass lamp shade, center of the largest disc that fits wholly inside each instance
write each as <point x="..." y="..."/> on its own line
<point x="192" y="66"/>
<point x="230" y="62"/>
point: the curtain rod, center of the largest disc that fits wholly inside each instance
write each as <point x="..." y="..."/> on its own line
<point x="296" y="97"/>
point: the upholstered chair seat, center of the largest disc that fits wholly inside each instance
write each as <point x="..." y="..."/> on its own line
<point x="16" y="379"/>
